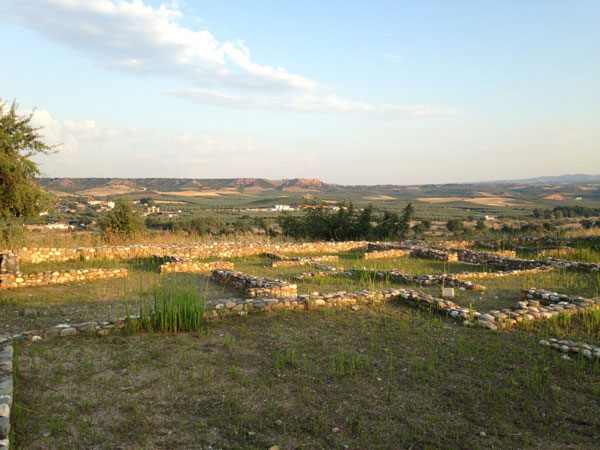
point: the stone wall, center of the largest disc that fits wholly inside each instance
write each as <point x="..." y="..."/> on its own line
<point x="447" y="280"/>
<point x="435" y="254"/>
<point x="9" y="263"/>
<point x="190" y="266"/>
<point x="195" y="251"/>
<point x="393" y="253"/>
<point x="587" y="350"/>
<point x="6" y="389"/>
<point x="291" y="262"/>
<point x="254" y="286"/>
<point x="20" y="280"/>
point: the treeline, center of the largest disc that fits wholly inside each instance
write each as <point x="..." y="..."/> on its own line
<point x="559" y="212"/>
<point x="201" y="226"/>
<point x="347" y="224"/>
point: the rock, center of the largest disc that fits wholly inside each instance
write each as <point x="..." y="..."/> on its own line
<point x="482" y="434"/>
<point x="355" y="307"/>
<point x="4" y="427"/>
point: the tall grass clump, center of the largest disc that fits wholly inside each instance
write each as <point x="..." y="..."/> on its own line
<point x="171" y="308"/>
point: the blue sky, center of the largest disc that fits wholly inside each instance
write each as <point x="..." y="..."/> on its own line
<point x="350" y="92"/>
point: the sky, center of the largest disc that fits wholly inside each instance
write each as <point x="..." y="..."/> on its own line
<point x="350" y="92"/>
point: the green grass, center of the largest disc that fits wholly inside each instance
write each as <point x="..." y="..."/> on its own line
<point x="384" y="377"/>
<point x="171" y="308"/>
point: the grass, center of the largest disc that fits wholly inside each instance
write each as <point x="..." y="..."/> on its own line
<point x="382" y="377"/>
<point x="44" y="306"/>
<point x="385" y="377"/>
<point x="171" y="308"/>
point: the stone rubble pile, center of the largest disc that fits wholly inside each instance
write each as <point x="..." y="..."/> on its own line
<point x="19" y="280"/>
<point x="6" y="389"/>
<point x="566" y="346"/>
<point x="254" y="286"/>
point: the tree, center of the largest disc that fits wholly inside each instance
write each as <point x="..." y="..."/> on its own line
<point x="20" y="194"/>
<point x="122" y="220"/>
<point x="455" y="225"/>
<point x="481" y="225"/>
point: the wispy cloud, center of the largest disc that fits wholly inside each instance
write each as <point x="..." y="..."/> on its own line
<point x="133" y="37"/>
<point x="307" y="102"/>
<point x="392" y="57"/>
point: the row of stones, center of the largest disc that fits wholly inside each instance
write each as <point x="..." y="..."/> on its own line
<point x="6" y="389"/>
<point x="535" y="304"/>
<point x="291" y="262"/>
<point x="397" y="275"/>
<point x="429" y="280"/>
<point x="190" y="266"/>
<point x="383" y="254"/>
<point x="19" y="280"/>
<point x="566" y="346"/>
<point x="254" y="286"/>
<point x="531" y="308"/>
<point x="498" y="261"/>
<point x="197" y="251"/>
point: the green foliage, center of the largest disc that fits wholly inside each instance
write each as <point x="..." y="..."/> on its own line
<point x="122" y="220"/>
<point x="12" y="233"/>
<point x="455" y="225"/>
<point x="481" y="226"/>
<point x="20" y="195"/>
<point x="347" y="224"/>
<point x="559" y="212"/>
<point x="172" y="309"/>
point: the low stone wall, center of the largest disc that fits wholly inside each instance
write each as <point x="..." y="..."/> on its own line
<point x="304" y="261"/>
<point x="566" y="346"/>
<point x="573" y="265"/>
<point x="6" y="389"/>
<point x="448" y="280"/>
<point x="9" y="263"/>
<point x="254" y="286"/>
<point x="20" y="280"/>
<point x="536" y="304"/>
<point x="394" y="253"/>
<point x="435" y="254"/>
<point x="189" y="266"/>
<point x="194" y="251"/>
<point x="502" y="273"/>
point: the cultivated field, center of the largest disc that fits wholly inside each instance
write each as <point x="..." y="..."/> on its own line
<point x="379" y="373"/>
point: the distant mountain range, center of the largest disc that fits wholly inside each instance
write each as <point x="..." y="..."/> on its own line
<point x="577" y="178"/>
<point x="108" y="186"/>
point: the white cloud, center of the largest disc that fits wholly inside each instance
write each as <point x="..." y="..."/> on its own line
<point x="88" y="149"/>
<point x="307" y="102"/>
<point x="134" y="37"/>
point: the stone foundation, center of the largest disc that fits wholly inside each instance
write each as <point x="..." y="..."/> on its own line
<point x="6" y="389"/>
<point x="20" y="280"/>
<point x="304" y="261"/>
<point x="575" y="348"/>
<point x="192" y="251"/>
<point x="9" y="263"/>
<point x="189" y="266"/>
<point x="254" y="286"/>
<point x="394" y="253"/>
